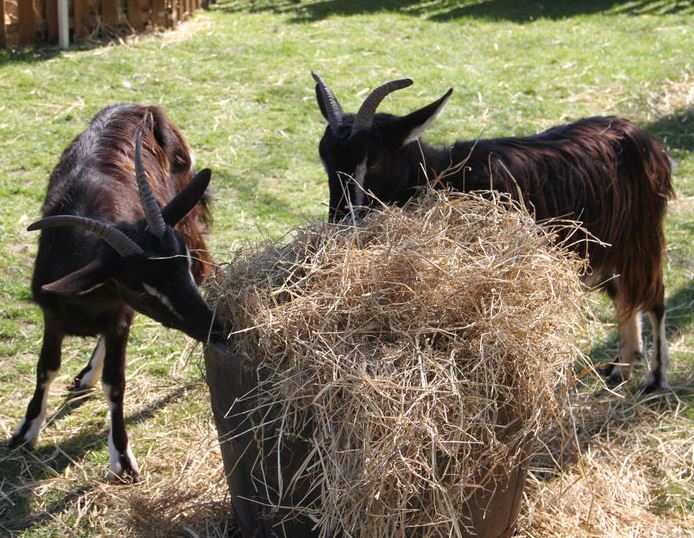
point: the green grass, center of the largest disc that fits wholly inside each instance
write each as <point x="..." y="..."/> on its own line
<point x="236" y="80"/>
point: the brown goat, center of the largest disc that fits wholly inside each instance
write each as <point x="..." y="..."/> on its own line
<point x="603" y="172"/>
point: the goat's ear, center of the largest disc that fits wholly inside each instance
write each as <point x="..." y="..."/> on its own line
<point x="185" y="200"/>
<point x="405" y="129"/>
<point x="321" y="104"/>
<point x="171" y="141"/>
<point x="83" y="280"/>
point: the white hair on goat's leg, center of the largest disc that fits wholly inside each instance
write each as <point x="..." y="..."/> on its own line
<point x="31" y="435"/>
<point x="90" y="376"/>
<point x="115" y="457"/>
<point x="660" y="359"/>
<point x="630" y="346"/>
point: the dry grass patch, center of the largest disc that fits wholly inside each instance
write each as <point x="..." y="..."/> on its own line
<point x="631" y="475"/>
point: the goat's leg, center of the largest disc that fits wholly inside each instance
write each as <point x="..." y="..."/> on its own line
<point x="27" y="434"/>
<point x="630" y="350"/>
<point x="90" y="374"/>
<point x="121" y="459"/>
<point x="656" y="380"/>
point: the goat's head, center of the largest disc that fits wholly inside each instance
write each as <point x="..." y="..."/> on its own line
<point x="148" y="261"/>
<point x="361" y="153"/>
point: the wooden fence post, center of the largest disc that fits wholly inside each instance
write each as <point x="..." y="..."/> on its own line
<point x="135" y="18"/>
<point x="179" y="10"/>
<point x="158" y="13"/>
<point x="27" y="23"/>
<point x="3" y="36"/>
<point x="81" y="10"/>
<point x="110" y="15"/>
<point x="52" y="21"/>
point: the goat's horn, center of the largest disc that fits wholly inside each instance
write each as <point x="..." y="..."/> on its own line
<point x="367" y="110"/>
<point x="155" y="222"/>
<point x="120" y="242"/>
<point x="333" y="108"/>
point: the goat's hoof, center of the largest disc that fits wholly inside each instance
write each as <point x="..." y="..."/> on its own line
<point x="18" y="441"/>
<point x="606" y="371"/>
<point x="25" y="437"/>
<point x="76" y="387"/>
<point x="654" y="385"/>
<point x="124" y="468"/>
<point x="618" y="376"/>
<point x="614" y="373"/>
<point x="127" y="476"/>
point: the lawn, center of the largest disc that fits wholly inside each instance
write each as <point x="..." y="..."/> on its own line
<point x="236" y="80"/>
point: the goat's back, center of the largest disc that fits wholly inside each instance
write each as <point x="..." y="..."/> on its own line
<point x="604" y="172"/>
<point x="95" y="178"/>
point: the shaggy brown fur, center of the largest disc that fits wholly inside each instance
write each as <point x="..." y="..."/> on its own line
<point x="604" y="172"/>
<point x="106" y="151"/>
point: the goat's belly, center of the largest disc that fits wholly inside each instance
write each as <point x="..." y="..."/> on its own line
<point x="93" y="314"/>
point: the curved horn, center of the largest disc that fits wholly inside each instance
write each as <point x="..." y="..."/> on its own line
<point x="333" y="108"/>
<point x="155" y="221"/>
<point x="367" y="110"/>
<point x="120" y="242"/>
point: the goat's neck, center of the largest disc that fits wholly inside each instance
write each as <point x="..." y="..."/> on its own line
<point x="444" y="164"/>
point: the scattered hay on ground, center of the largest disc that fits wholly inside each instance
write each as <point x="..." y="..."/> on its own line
<point x="407" y="344"/>
<point x="632" y="475"/>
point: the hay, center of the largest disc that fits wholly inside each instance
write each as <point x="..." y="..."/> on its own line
<point x="420" y="351"/>
<point x="633" y="474"/>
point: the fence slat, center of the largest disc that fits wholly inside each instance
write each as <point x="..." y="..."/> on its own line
<point x="52" y="21"/>
<point x="109" y="15"/>
<point x="3" y="35"/>
<point x="27" y="24"/>
<point x="159" y="13"/>
<point x="179" y="10"/>
<point x="81" y="12"/>
<point x="135" y="18"/>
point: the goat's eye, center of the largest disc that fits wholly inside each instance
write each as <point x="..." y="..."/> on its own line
<point x="372" y="163"/>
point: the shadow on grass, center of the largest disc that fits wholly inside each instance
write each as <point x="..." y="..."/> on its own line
<point x="30" y="55"/>
<point x="444" y="10"/>
<point x="675" y="130"/>
<point x="21" y="472"/>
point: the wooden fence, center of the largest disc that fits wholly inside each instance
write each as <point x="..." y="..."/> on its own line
<point x="28" y="22"/>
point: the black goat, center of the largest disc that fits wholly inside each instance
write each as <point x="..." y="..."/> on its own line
<point x="603" y="172"/>
<point x="107" y="248"/>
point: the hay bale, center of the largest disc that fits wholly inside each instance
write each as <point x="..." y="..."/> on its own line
<point x="413" y="359"/>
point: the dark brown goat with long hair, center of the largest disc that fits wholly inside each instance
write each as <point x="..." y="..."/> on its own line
<point x="603" y="172"/>
<point x="107" y="248"/>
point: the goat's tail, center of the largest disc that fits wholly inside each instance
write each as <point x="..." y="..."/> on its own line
<point x="643" y="188"/>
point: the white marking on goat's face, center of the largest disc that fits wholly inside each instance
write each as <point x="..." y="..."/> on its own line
<point x="89" y="290"/>
<point x="359" y="178"/>
<point x="189" y="258"/>
<point x="163" y="299"/>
